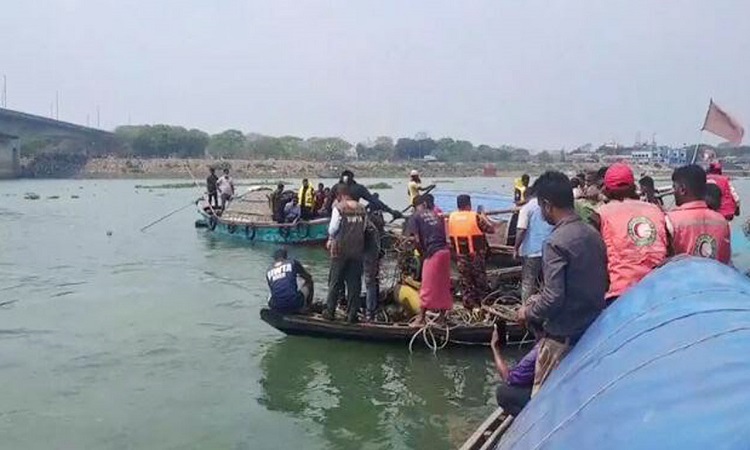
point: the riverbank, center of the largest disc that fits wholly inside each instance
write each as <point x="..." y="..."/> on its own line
<point x="172" y="168"/>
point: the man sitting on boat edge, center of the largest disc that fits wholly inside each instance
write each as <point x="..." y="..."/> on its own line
<point x="514" y="390"/>
<point x="286" y="297"/>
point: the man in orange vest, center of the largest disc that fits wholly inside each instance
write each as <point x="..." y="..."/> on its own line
<point x="466" y="230"/>
<point x="634" y="232"/>
<point x="730" y="201"/>
<point x="695" y="229"/>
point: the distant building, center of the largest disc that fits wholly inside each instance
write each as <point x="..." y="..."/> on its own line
<point x="642" y="156"/>
<point x="10" y="153"/>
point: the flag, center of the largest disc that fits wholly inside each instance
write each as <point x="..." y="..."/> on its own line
<point x="721" y="124"/>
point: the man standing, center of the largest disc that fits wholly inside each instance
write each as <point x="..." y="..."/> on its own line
<point x="574" y="263"/>
<point x="373" y="253"/>
<point x="276" y="204"/>
<point x="466" y="230"/>
<point x="306" y="199"/>
<point x="695" y="229"/>
<point x="226" y="188"/>
<point x="519" y="189"/>
<point x="648" y="191"/>
<point x="730" y="201"/>
<point x="428" y="230"/>
<point x="346" y="242"/>
<point x="211" y="180"/>
<point x="531" y="233"/>
<point x="282" y="281"/>
<point x="415" y="186"/>
<point x="634" y="232"/>
<point x="320" y="198"/>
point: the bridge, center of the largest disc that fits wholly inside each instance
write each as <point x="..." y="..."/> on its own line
<point x="41" y="134"/>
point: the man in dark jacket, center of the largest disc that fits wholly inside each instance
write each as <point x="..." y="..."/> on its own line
<point x="211" y="180"/>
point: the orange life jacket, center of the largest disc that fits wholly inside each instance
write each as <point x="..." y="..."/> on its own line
<point x="464" y="232"/>
<point x="728" y="205"/>
<point x="699" y="231"/>
<point x="636" y="238"/>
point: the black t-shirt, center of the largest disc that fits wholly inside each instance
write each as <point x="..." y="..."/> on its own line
<point x="211" y="183"/>
<point x="282" y="281"/>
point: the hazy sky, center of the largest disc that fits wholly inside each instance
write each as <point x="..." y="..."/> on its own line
<point x="541" y="74"/>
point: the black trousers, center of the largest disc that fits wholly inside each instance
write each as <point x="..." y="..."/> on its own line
<point x="213" y="199"/>
<point x="345" y="272"/>
<point x="306" y="213"/>
<point x="512" y="398"/>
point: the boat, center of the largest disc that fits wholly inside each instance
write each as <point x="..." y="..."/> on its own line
<point x="249" y="217"/>
<point x="314" y="325"/>
<point x="664" y="367"/>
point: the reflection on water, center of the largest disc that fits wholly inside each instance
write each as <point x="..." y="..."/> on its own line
<point x="378" y="396"/>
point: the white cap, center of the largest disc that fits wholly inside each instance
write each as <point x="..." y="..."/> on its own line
<point x="414" y="173"/>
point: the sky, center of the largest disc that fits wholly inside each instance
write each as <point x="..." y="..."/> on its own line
<point x="540" y="74"/>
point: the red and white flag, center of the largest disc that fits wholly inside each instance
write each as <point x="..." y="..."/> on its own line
<point x="722" y="124"/>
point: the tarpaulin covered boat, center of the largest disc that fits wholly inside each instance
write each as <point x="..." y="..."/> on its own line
<point x="249" y="217"/>
<point x="666" y="366"/>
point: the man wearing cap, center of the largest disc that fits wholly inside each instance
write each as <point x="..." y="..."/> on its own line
<point x="415" y="187"/>
<point x="730" y="201"/>
<point x="358" y="191"/>
<point x="634" y="232"/>
<point x="282" y="281"/>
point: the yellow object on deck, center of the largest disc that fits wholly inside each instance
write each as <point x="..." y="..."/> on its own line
<point x="407" y="294"/>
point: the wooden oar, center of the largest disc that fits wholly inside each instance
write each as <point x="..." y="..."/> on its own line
<point x="498" y="212"/>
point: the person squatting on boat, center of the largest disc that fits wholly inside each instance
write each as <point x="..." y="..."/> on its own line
<point x="574" y="262"/>
<point x="514" y="390"/>
<point x="282" y="276"/>
<point x="531" y="233"/>
<point x="346" y="242"/>
<point x="635" y="232"/>
<point x="427" y="231"/>
<point x="466" y="230"/>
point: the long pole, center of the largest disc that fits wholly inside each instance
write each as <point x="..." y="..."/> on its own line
<point x="5" y="91"/>
<point x="168" y="215"/>
<point x="697" y="147"/>
<point x="190" y="172"/>
<point x="57" y="105"/>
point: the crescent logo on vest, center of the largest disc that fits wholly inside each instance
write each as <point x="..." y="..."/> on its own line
<point x="705" y="246"/>
<point x="642" y="231"/>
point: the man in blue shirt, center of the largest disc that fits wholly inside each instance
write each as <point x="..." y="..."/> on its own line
<point x="531" y="233"/>
<point x="286" y="297"/>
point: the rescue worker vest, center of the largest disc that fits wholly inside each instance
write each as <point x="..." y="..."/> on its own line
<point x="635" y="234"/>
<point x="350" y="239"/>
<point x="306" y="197"/>
<point x="464" y="233"/>
<point x="728" y="205"/>
<point x="699" y="231"/>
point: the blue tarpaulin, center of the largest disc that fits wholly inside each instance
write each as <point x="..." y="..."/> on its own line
<point x="667" y="366"/>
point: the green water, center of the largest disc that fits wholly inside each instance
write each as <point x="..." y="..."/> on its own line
<point x="153" y="340"/>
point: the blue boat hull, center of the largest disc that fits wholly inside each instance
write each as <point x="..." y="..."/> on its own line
<point x="303" y="232"/>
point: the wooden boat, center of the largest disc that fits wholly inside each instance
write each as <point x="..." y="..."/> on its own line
<point x="315" y="325"/>
<point x="489" y="433"/>
<point x="249" y="217"/>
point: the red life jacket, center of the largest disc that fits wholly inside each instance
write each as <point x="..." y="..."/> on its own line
<point x="728" y="205"/>
<point x="635" y="234"/>
<point x="697" y="230"/>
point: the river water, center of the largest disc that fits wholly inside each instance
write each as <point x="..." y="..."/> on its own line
<point x="113" y="338"/>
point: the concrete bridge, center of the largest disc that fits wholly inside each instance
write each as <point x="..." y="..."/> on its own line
<point x="17" y="128"/>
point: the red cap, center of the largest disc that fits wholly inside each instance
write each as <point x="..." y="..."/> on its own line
<point x="618" y="177"/>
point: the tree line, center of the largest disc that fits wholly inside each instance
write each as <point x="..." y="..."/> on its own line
<point x="174" y="141"/>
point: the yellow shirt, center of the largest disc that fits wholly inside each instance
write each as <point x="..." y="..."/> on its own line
<point x="413" y="189"/>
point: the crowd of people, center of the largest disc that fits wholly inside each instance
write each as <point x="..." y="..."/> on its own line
<point x="306" y="204"/>
<point x="582" y="243"/>
<point x="606" y="236"/>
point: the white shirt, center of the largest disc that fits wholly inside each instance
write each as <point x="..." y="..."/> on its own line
<point x="225" y="185"/>
<point x="335" y="223"/>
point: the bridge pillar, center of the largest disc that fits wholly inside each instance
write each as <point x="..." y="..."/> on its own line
<point x="10" y="150"/>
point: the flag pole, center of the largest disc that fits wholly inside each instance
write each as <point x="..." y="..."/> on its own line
<point x="697" y="147"/>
